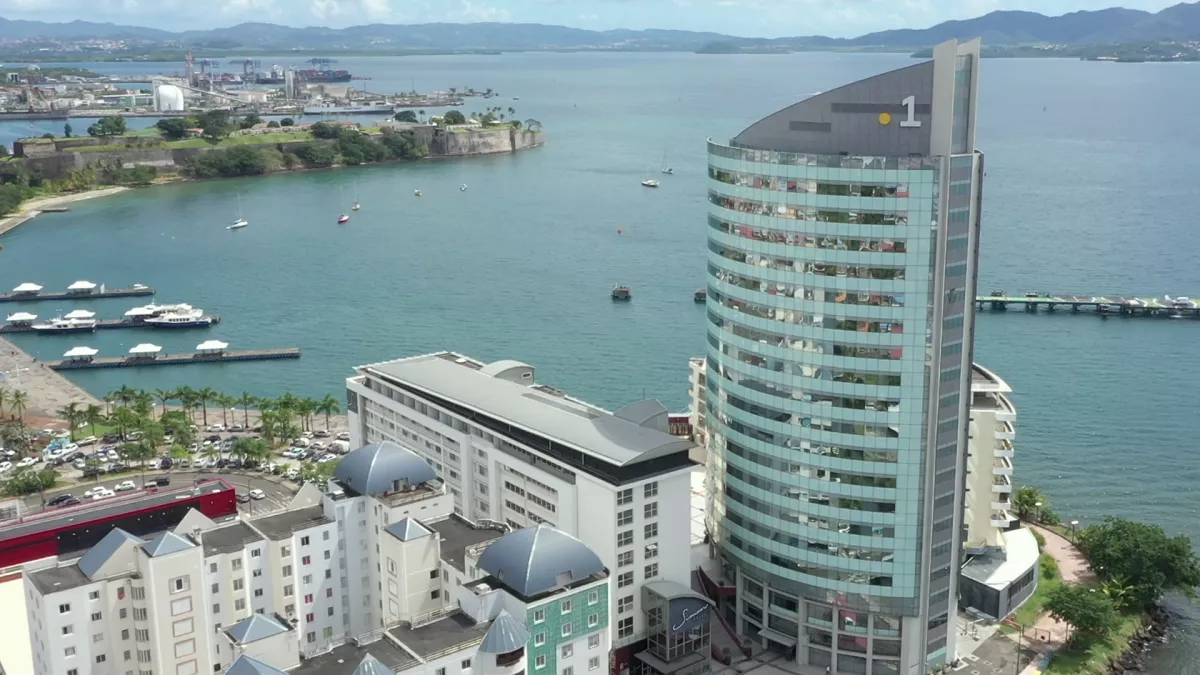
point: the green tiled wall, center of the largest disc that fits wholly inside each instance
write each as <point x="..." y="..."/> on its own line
<point x="552" y="626"/>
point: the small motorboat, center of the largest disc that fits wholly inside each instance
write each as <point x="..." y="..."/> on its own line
<point x="416" y="193"/>
<point x="355" y="207"/>
<point x="701" y="295"/>
<point x="343" y="218"/>
<point x="463" y="187"/>
<point x="650" y="183"/>
<point x="620" y="292"/>
<point x="238" y="224"/>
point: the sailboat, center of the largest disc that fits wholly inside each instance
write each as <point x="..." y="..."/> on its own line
<point x="342" y="218"/>
<point x="356" y="206"/>
<point x="666" y="169"/>
<point x="240" y="222"/>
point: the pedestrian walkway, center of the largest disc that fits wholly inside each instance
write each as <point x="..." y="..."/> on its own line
<point x="46" y="390"/>
<point x="1048" y="633"/>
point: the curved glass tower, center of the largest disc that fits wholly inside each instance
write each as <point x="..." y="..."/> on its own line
<point x="843" y="234"/>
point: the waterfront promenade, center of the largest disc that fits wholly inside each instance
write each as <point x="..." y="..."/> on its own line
<point x="47" y="390"/>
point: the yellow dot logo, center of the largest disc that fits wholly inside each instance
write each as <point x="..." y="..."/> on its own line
<point x="885" y="118"/>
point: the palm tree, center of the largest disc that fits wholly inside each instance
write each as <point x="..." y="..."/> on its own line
<point x="16" y="404"/>
<point x="305" y="408"/>
<point x="246" y="400"/>
<point x="164" y="396"/>
<point x="187" y="399"/>
<point x="178" y="421"/>
<point x="212" y="453"/>
<point x="92" y="415"/>
<point x="205" y="396"/>
<point x="3" y="395"/>
<point x="328" y="406"/>
<point x="109" y="399"/>
<point x="177" y="453"/>
<point x="125" y="419"/>
<point x="227" y="403"/>
<point x="126" y="394"/>
<point x="71" y="414"/>
<point x="143" y="403"/>
<point x="1026" y="501"/>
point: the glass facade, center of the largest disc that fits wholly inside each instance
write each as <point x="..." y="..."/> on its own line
<point x="839" y="322"/>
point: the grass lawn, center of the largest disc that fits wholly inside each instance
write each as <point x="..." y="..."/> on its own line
<point x="1093" y="659"/>
<point x="260" y="139"/>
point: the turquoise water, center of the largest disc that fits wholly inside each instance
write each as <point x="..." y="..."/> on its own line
<point x="1090" y="189"/>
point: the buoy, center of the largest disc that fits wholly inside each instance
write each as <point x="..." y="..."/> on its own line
<point x="620" y="231"/>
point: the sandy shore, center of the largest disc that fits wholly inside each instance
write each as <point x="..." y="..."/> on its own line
<point x="31" y="209"/>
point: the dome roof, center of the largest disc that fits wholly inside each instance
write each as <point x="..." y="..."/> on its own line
<point x="506" y="635"/>
<point x="538" y="559"/>
<point x="382" y="468"/>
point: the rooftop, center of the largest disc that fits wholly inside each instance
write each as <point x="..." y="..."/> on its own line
<point x="1000" y="570"/>
<point x="984" y="380"/>
<point x="229" y="538"/>
<point x="457" y="535"/>
<point x="344" y="659"/>
<point x="505" y="390"/>
<point x="538" y="560"/>
<point x="58" y="579"/>
<point x="282" y="525"/>
<point x="444" y="636"/>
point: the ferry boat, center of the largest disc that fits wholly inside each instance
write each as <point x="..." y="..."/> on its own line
<point x="152" y="310"/>
<point x="622" y="293"/>
<point x="58" y="326"/>
<point x="180" y="318"/>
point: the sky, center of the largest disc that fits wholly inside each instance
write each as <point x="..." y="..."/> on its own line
<point x="752" y="18"/>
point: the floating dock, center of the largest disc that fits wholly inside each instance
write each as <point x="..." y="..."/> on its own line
<point x="109" y="324"/>
<point x="100" y="292"/>
<point x="1111" y="305"/>
<point x="134" y="361"/>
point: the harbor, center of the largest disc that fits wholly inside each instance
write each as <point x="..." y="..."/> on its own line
<point x="1166" y="307"/>
<point x="26" y="326"/>
<point x="80" y="290"/>
<point x="146" y="354"/>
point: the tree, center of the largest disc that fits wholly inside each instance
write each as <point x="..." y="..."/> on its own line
<point x="1091" y="613"/>
<point x="246" y="400"/>
<point x="16" y="404"/>
<point x="28" y="480"/>
<point x="328" y="406"/>
<point x="93" y="415"/>
<point x="177" y="421"/>
<point x="1143" y="557"/>
<point x="173" y="128"/>
<point x="326" y="130"/>
<point x="215" y="124"/>
<point x="533" y="125"/>
<point x="205" y="396"/>
<point x="14" y="436"/>
<point x="272" y="124"/>
<point x="138" y="452"/>
<point x="454" y="117"/>
<point x="250" y="120"/>
<point x="406" y="116"/>
<point x="287" y="122"/>
<point x="3" y="396"/>
<point x="1025" y="501"/>
<point x="125" y="420"/>
<point x="67" y="130"/>
<point x="113" y="125"/>
<point x="164" y="396"/>
<point x="71" y="414"/>
<point x="212" y="453"/>
<point x="305" y="408"/>
<point x="177" y="453"/>
<point x="48" y="135"/>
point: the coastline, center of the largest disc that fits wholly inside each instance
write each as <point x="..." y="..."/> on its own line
<point x="30" y="209"/>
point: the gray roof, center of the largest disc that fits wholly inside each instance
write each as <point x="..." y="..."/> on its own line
<point x="669" y="590"/>
<point x="228" y="538"/>
<point x="372" y="666"/>
<point x="166" y="543"/>
<point x="538" y="559"/>
<point x="407" y="530"/>
<point x="283" y="524"/>
<point x="245" y="665"/>
<point x="375" y="469"/>
<point x="255" y="627"/>
<point x="536" y="409"/>
<point x="506" y="635"/>
<point x="94" y="559"/>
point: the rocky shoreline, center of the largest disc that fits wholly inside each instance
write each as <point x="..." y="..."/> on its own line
<point x="1153" y="632"/>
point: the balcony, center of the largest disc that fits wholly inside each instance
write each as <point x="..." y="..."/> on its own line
<point x="1004" y="448"/>
<point x="1005" y="432"/>
<point x="1000" y="519"/>
<point x="1002" y="467"/>
<point x="1001" y="484"/>
<point x="1001" y="503"/>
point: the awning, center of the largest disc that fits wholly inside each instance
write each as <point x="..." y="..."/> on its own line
<point x="22" y="316"/>
<point x="777" y="637"/>
<point x="211" y="345"/>
<point x="81" y="286"/>
<point x="27" y="288"/>
<point x="81" y="351"/>
<point x="145" y="348"/>
<point x="80" y="314"/>
<point x="140" y="311"/>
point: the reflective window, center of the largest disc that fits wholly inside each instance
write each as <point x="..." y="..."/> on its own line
<point x="862" y="216"/>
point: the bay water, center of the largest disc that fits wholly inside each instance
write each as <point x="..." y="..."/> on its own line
<point x="1091" y="189"/>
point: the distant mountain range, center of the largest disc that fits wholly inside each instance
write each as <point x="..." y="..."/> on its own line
<point x="1178" y="23"/>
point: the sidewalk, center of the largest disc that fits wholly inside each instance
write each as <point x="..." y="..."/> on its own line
<point x="1073" y="568"/>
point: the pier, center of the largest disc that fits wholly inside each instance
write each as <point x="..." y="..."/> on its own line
<point x="1111" y="305"/>
<point x="107" y="324"/>
<point x="80" y="290"/>
<point x="137" y="360"/>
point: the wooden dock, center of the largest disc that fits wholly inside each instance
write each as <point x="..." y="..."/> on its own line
<point x="176" y="359"/>
<point x="78" y="295"/>
<point x="1110" y="305"/>
<point x="108" y="324"/>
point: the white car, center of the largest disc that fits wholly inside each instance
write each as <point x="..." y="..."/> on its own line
<point x="5" y="466"/>
<point x="113" y="455"/>
<point x="216" y="427"/>
<point x="327" y="458"/>
<point x="344" y="436"/>
<point x="102" y="493"/>
<point x="28" y="461"/>
<point x="257" y="494"/>
<point x="125" y="486"/>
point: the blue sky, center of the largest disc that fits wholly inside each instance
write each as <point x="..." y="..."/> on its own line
<point x="767" y="18"/>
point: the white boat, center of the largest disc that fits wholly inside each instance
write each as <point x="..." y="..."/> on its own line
<point x="152" y="310"/>
<point x="343" y="218"/>
<point x="240" y="222"/>
<point x="650" y="183"/>
<point x="463" y="187"/>
<point x="180" y="318"/>
<point x="58" y="326"/>
<point x="416" y="193"/>
<point x="666" y="169"/>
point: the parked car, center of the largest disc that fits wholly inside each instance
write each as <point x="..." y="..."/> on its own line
<point x="321" y="433"/>
<point x="94" y="472"/>
<point x="237" y="427"/>
<point x="87" y="440"/>
<point x="90" y="492"/>
<point x="125" y="486"/>
<point x="28" y="461"/>
<point x="116" y="466"/>
<point x="242" y="497"/>
<point x="257" y="494"/>
<point x="71" y="500"/>
<point x="111" y="438"/>
<point x="104" y="492"/>
<point x="213" y="438"/>
<point x="326" y="458"/>
<point x="5" y="466"/>
<point x="157" y="481"/>
<point x="165" y="463"/>
<point x="300" y="442"/>
<point x="185" y="462"/>
<point x="113" y="455"/>
<point x="216" y="427"/>
<point x="79" y="464"/>
<point x="59" y="500"/>
<point x="344" y="436"/>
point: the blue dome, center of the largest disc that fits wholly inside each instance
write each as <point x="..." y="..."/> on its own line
<point x="538" y="559"/>
<point x="382" y="468"/>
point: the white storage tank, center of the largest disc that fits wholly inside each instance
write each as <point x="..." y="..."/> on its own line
<point x="168" y="97"/>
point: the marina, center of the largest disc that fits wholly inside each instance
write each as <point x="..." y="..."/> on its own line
<point x="1166" y="307"/>
<point x="16" y="326"/>
<point x="146" y="354"/>
<point x="80" y="290"/>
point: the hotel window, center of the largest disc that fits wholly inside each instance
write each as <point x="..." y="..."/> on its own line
<point x="258" y="592"/>
<point x="539" y="615"/>
<point x="239" y="605"/>
<point x="625" y="496"/>
<point x="567" y="629"/>
<point x="566" y="606"/>
<point x="593" y="641"/>
<point x="101" y="658"/>
<point x="94" y="595"/>
<point x="95" y="616"/>
<point x="540" y="662"/>
<point x="307" y="579"/>
<point x="287" y="570"/>
<point x="650" y="490"/>
<point x="285" y="551"/>
<point x="651" y="570"/>
<point x="310" y="617"/>
<point x="256" y="573"/>
<point x="593" y="597"/>
<point x="539" y="639"/>
<point x="304" y="540"/>
<point x="651" y="551"/>
<point x="625" y="559"/>
<point x="308" y="598"/>
<point x="625" y="604"/>
<point x="466" y="663"/>
<point x="98" y="637"/>
<point x="182" y="627"/>
<point x="237" y="584"/>
<point x="625" y="517"/>
<point x="185" y="648"/>
<point x="594" y="663"/>
<point x="180" y="584"/>
<point x="122" y="614"/>
<point x="69" y="651"/>
<point x="650" y="531"/>
<point x="625" y="627"/>
<point x="306" y="560"/>
<point x="651" y="510"/>
<point x="68" y="629"/>
<point x="593" y="620"/>
<point x="624" y="579"/>
<point x="625" y="538"/>
<point x="63" y="609"/>
<point x="255" y="552"/>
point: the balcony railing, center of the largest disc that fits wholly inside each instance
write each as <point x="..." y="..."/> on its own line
<point x="1001" y="466"/>
<point x="1001" y="484"/>
<point x="1004" y="448"/>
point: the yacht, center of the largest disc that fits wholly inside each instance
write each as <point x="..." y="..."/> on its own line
<point x="650" y="183"/>
<point x="152" y="310"/>
<point x="180" y="318"/>
<point x="343" y="218"/>
<point x="416" y="193"/>
<point x="58" y="326"/>
<point x="240" y="222"/>
<point x="355" y="207"/>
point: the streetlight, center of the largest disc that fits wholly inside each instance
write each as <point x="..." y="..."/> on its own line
<point x="1074" y="524"/>
<point x="1037" y="519"/>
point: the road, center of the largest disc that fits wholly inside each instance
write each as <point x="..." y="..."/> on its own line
<point x="278" y="490"/>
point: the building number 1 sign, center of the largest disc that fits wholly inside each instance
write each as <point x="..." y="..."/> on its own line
<point x="910" y="109"/>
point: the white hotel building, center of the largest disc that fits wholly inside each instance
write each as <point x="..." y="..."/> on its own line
<point x="521" y="453"/>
